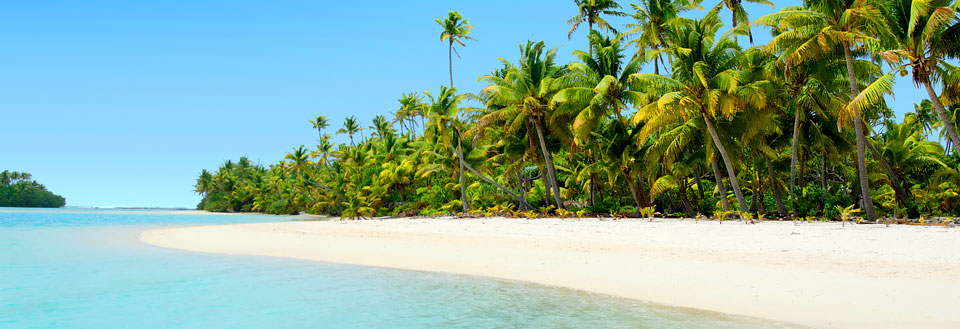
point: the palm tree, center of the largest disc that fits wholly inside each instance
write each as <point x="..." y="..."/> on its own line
<point x="705" y="84"/>
<point x="522" y="100"/>
<point x="926" y="33"/>
<point x="455" y="30"/>
<point x="654" y="18"/>
<point x="320" y="123"/>
<point x="350" y="126"/>
<point x="591" y="11"/>
<point x="739" y="15"/>
<point x="819" y="30"/>
<point x="603" y="89"/>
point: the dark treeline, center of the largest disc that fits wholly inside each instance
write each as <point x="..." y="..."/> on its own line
<point x="795" y="128"/>
<point x="18" y="189"/>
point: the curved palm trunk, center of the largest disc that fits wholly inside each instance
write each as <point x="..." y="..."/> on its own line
<point x="340" y="196"/>
<point x="724" y="203"/>
<point x="944" y="116"/>
<point x="793" y="150"/>
<point x="726" y="161"/>
<point x="781" y="211"/>
<point x="861" y="142"/>
<point x="551" y="172"/>
<point x="450" y="58"/>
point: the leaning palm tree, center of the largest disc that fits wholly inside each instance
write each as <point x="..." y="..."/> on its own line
<point x="445" y="112"/>
<point x="591" y="11"/>
<point x="818" y="30"/>
<point x="739" y="15"/>
<point x="926" y="34"/>
<point x="455" y="30"/>
<point x="705" y="85"/>
<point x="350" y="126"/>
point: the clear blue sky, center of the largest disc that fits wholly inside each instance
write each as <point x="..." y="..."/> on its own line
<point x="122" y="103"/>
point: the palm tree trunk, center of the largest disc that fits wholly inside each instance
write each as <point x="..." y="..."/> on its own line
<point x="902" y="195"/>
<point x="726" y="161"/>
<point x="551" y="172"/>
<point x="687" y="208"/>
<point x="944" y="116"/>
<point x="793" y="150"/>
<point x="450" y="58"/>
<point x="463" y="177"/>
<point x="633" y="191"/>
<point x="725" y="204"/>
<point x="823" y="172"/>
<point x="861" y="141"/>
<point x="592" y="184"/>
<point x="696" y="171"/>
<point x="781" y="211"/>
<point x="641" y="183"/>
<point x="340" y="196"/>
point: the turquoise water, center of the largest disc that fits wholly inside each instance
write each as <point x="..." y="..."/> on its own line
<point x="86" y="269"/>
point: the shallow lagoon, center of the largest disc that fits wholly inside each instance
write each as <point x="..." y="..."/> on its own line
<point x="85" y="268"/>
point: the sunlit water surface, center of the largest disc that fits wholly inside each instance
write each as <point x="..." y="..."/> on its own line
<point x="76" y="268"/>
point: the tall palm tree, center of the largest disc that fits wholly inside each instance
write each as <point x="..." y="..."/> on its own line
<point x="350" y="126"/>
<point x="592" y="11"/>
<point x="926" y="34"/>
<point x="739" y="15"/>
<point x="820" y="29"/>
<point x="320" y="123"/>
<point x="455" y="30"/>
<point x="602" y="89"/>
<point x="705" y="84"/>
<point x="522" y="99"/>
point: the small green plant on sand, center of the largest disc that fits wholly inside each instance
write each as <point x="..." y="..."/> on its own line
<point x="563" y="212"/>
<point x="546" y="210"/>
<point x="847" y="213"/>
<point x="648" y="212"/>
<point x="580" y="213"/>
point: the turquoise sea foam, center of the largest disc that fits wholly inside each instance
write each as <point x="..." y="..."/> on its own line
<point x="87" y="269"/>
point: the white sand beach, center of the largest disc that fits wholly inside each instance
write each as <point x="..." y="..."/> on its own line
<point x="814" y="274"/>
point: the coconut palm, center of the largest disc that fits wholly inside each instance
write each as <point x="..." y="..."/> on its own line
<point x="456" y="29"/>
<point x="320" y="123"/>
<point x="522" y="98"/>
<point x="654" y="18"/>
<point x="351" y="126"/>
<point x="739" y="15"/>
<point x="926" y="34"/>
<point x="705" y="85"/>
<point x="815" y="33"/>
<point x="592" y="11"/>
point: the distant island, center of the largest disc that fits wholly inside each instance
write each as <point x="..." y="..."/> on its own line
<point x="18" y="189"/>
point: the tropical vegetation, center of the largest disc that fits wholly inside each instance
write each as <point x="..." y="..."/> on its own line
<point x="19" y="189"/>
<point x="794" y="128"/>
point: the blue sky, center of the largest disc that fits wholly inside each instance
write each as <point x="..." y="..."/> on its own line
<point x="122" y="103"/>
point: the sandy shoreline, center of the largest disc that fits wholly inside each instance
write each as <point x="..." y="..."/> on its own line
<point x="817" y="274"/>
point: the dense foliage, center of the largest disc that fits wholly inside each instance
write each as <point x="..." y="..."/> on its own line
<point x="18" y="189"/>
<point x="796" y="128"/>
